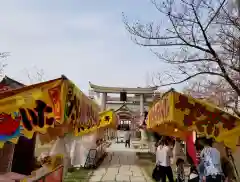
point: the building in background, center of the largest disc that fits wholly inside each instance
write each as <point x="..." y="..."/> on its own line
<point x="130" y="104"/>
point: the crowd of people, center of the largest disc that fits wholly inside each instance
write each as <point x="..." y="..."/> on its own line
<point x="210" y="168"/>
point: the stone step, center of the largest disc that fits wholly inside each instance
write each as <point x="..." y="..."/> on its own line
<point x="78" y="175"/>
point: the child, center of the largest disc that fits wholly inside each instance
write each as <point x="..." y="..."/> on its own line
<point x="180" y="170"/>
<point x="193" y="177"/>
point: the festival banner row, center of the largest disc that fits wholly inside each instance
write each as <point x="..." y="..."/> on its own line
<point x="106" y="119"/>
<point x="36" y="108"/>
<point x="176" y="114"/>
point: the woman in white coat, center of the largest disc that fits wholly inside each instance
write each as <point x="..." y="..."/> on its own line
<point x="163" y="161"/>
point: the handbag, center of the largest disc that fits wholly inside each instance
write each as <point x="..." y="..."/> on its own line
<point x="156" y="174"/>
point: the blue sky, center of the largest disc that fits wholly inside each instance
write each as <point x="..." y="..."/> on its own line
<point x="82" y="39"/>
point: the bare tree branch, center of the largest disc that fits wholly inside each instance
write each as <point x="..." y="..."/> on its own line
<point x="190" y="77"/>
<point x="36" y="75"/>
<point x="219" y="93"/>
<point x="3" y="55"/>
<point x="202" y="38"/>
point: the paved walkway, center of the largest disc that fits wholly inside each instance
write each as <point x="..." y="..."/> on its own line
<point x="118" y="147"/>
<point x="120" y="165"/>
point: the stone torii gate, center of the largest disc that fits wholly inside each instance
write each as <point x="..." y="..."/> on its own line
<point x="140" y="100"/>
<point x="142" y="96"/>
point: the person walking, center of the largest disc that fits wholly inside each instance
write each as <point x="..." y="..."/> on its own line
<point x="211" y="162"/>
<point x="163" y="158"/>
<point x="127" y="138"/>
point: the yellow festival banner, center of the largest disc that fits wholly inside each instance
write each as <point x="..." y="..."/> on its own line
<point x="43" y="106"/>
<point x="176" y="114"/>
<point x="30" y="109"/>
<point x="161" y="112"/>
<point x="106" y="119"/>
<point x="81" y="113"/>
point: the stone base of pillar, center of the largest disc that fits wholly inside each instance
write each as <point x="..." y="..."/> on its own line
<point x="144" y="139"/>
